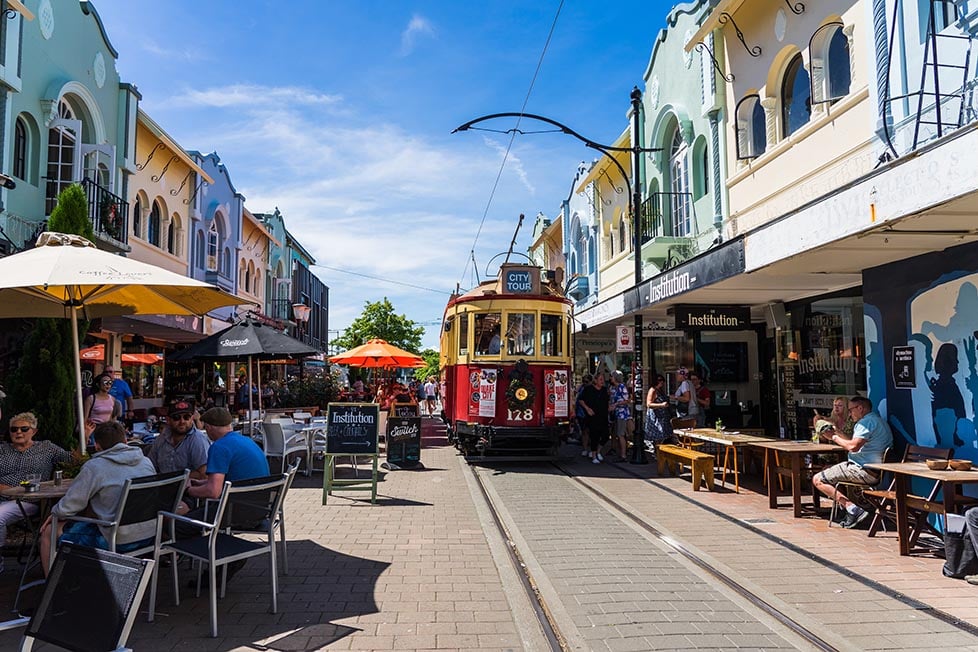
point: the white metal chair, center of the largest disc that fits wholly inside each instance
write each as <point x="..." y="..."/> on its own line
<point x="255" y="500"/>
<point x="281" y="442"/>
<point x="302" y="417"/>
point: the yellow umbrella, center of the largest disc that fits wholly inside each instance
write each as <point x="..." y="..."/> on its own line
<point x="66" y="275"/>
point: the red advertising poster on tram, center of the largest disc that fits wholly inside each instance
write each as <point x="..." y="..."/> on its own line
<point x="473" y="392"/>
<point x="557" y="393"/>
<point x="487" y="393"/>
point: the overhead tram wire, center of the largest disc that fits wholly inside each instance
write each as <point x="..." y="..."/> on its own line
<point x="512" y="137"/>
<point x="382" y="279"/>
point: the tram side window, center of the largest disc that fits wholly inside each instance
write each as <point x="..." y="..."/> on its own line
<point x="487" y="334"/>
<point x="551" y="337"/>
<point x="521" y="333"/>
<point x="463" y="334"/>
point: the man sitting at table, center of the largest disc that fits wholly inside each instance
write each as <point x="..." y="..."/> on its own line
<point x="231" y="457"/>
<point x="180" y="446"/>
<point x="97" y="490"/>
<point x="871" y="436"/>
<point x="19" y="458"/>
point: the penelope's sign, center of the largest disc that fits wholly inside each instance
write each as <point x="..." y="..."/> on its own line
<point x="351" y="428"/>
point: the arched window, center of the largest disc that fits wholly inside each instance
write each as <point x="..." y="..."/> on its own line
<point x="62" y="141"/>
<point x="137" y="219"/>
<point x="751" y="128"/>
<point x="153" y="233"/>
<point x="828" y="50"/>
<point x="592" y="256"/>
<point x="680" y="199"/>
<point x="701" y="168"/>
<point x="796" y="97"/>
<point x="621" y="234"/>
<point x="171" y="238"/>
<point x="199" y="250"/>
<point x="213" y="257"/>
<point x="20" y="149"/>
<point x="227" y="263"/>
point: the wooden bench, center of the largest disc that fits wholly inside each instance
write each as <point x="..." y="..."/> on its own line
<point x="670" y="456"/>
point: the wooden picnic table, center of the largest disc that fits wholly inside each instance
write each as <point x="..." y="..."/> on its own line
<point x="951" y="481"/>
<point x="730" y="441"/>
<point x="788" y="463"/>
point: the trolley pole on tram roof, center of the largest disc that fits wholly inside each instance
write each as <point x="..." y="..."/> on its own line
<point x="634" y="187"/>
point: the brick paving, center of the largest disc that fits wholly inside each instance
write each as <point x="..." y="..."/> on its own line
<point x="420" y="571"/>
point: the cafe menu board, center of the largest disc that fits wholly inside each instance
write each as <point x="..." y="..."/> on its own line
<point x="351" y="428"/>
<point x="404" y="441"/>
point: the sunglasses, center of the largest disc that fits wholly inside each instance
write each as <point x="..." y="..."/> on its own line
<point x="20" y="428"/>
<point x="181" y="417"/>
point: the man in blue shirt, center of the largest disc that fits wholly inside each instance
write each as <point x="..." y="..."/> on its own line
<point x="232" y="456"/>
<point x="120" y="391"/>
<point x="871" y="436"/>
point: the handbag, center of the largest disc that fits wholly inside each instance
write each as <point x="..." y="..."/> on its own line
<point x="959" y="552"/>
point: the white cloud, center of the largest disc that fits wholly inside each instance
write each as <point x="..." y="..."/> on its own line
<point x="185" y="54"/>
<point x="513" y="163"/>
<point x="418" y="26"/>
<point x="244" y="95"/>
<point x="365" y="197"/>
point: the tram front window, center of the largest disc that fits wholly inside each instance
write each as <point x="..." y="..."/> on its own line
<point x="520" y="333"/>
<point x="551" y="337"/>
<point x="487" y="337"/>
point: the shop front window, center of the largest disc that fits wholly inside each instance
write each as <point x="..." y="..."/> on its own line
<point x="821" y="357"/>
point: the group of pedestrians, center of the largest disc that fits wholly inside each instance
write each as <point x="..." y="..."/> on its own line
<point x="598" y="409"/>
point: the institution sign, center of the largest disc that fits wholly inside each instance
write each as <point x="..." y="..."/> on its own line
<point x="713" y="318"/>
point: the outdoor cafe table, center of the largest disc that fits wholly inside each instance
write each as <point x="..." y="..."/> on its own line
<point x="46" y="493"/>
<point x="730" y="441"/>
<point x="951" y="482"/>
<point x="787" y="461"/>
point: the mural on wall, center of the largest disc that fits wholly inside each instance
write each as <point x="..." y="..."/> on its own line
<point x="932" y="308"/>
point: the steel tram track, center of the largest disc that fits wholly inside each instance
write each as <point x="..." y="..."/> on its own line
<point x="544" y="617"/>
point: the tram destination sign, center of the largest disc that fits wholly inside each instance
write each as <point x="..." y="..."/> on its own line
<point x="521" y="279"/>
<point x="351" y="428"/>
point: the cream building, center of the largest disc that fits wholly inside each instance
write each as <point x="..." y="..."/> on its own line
<point x="253" y="261"/>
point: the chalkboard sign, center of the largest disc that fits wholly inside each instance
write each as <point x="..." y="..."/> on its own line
<point x="403" y="442"/>
<point x="351" y="428"/>
<point x="405" y="410"/>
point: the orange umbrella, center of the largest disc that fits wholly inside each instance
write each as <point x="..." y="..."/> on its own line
<point x="378" y="353"/>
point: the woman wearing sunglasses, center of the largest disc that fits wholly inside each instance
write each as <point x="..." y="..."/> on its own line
<point x="101" y="406"/>
<point x="19" y="458"/>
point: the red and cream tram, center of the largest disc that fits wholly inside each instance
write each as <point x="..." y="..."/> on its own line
<point x="506" y="366"/>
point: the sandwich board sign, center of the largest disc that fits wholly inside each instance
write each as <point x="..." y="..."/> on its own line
<point x="351" y="432"/>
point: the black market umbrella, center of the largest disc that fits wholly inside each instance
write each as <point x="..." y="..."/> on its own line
<point x="246" y="339"/>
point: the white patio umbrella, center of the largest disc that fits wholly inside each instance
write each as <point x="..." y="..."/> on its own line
<point x="66" y="275"/>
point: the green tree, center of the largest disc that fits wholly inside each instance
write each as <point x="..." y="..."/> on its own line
<point x="431" y="364"/>
<point x="44" y="380"/>
<point x="378" y="320"/>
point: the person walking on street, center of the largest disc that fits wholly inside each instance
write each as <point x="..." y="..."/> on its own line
<point x="700" y="396"/>
<point x="621" y="402"/>
<point x="595" y="400"/>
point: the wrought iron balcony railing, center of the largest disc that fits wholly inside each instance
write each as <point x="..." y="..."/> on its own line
<point x="668" y="228"/>
<point x="109" y="212"/>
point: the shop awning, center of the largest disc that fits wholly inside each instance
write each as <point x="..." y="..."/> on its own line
<point x="97" y="354"/>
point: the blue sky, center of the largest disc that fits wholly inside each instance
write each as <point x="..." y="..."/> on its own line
<point x="340" y="114"/>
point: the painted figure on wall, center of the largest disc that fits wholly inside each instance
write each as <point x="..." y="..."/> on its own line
<point x="947" y="404"/>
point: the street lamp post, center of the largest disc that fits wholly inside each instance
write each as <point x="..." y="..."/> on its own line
<point x="301" y="312"/>
<point x="635" y="205"/>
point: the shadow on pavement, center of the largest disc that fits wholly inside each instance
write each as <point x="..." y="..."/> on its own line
<point x="323" y="586"/>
